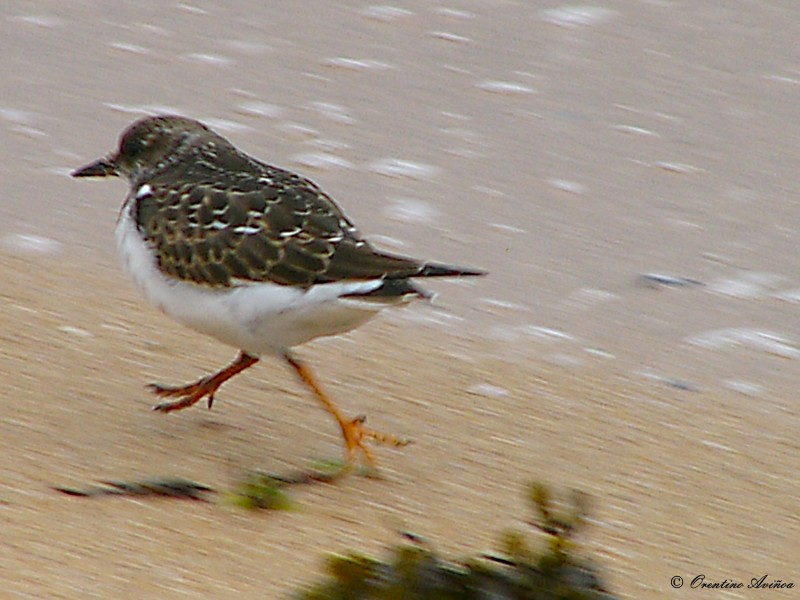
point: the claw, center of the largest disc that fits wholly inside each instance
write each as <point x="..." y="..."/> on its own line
<point x="206" y="387"/>
<point x="353" y="431"/>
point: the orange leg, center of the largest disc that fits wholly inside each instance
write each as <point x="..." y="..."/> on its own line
<point x="353" y="430"/>
<point x="207" y="386"/>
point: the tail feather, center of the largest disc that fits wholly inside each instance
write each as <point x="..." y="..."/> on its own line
<point x="401" y="287"/>
<point x="393" y="290"/>
<point x="432" y="269"/>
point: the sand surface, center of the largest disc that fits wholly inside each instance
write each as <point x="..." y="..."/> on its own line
<point x="681" y="481"/>
<point x="568" y="150"/>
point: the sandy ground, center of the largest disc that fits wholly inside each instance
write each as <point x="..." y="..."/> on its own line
<point x="682" y="482"/>
<point x="566" y="149"/>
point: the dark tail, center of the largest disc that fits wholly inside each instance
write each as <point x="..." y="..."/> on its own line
<point x="402" y="286"/>
<point x="431" y="269"/>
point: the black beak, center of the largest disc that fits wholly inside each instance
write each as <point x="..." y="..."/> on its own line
<point x="99" y="168"/>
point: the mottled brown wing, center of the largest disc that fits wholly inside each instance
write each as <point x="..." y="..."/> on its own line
<point x="274" y="226"/>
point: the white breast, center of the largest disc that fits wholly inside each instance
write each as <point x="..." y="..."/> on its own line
<point x="259" y="318"/>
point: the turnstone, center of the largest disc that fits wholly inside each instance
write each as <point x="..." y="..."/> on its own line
<point x="253" y="255"/>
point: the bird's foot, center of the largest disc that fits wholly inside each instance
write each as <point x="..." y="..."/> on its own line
<point x="353" y="431"/>
<point x="206" y="387"/>
<point x="355" y="436"/>
<point x="187" y="395"/>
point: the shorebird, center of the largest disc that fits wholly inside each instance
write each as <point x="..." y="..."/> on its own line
<point x="253" y="255"/>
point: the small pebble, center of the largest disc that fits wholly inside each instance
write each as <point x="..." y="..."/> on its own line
<point x="508" y="88"/>
<point x="678" y="167"/>
<point x="411" y="211"/>
<point x="577" y="16"/>
<point x="322" y="160"/>
<point x="789" y="296"/>
<point x="215" y="60"/>
<point x="131" y="48"/>
<point x="76" y="331"/>
<point x="746" y="388"/>
<point x="395" y="167"/>
<point x="25" y="244"/>
<point x="354" y="64"/>
<point x="386" y="14"/>
<point x="226" y="126"/>
<point x="488" y="390"/>
<point x="260" y="109"/>
<point x="655" y="280"/>
<point x="450" y="37"/>
<point x="571" y="187"/>
<point x="333" y="112"/>
<point x="18" y="117"/>
<point x="635" y="130"/>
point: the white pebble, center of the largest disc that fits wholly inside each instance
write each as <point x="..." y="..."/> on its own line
<point x="298" y="131"/>
<point x="322" y="160"/>
<point x="386" y="14"/>
<point x="488" y="390"/>
<point x="195" y="10"/>
<point x="395" y="167"/>
<point x="789" y="296"/>
<point x="450" y="37"/>
<point x="678" y="167"/>
<point x="332" y="112"/>
<point x="546" y="333"/>
<point x="766" y="341"/>
<point x="144" y="109"/>
<point x="248" y="48"/>
<point x="260" y="109"/>
<point x="508" y="88"/>
<point x="494" y="193"/>
<point x="746" y="388"/>
<point x="16" y="116"/>
<point x="25" y="244"/>
<point x="494" y="302"/>
<point x="355" y="64"/>
<point x="29" y="132"/>
<point x="131" y="48"/>
<point x="736" y="288"/>
<point x="564" y="360"/>
<point x="329" y="144"/>
<point x="215" y="60"/>
<point x="577" y="16"/>
<point x="226" y="126"/>
<point x="589" y="298"/>
<point x="600" y="353"/>
<point x="505" y="228"/>
<point x="782" y="79"/>
<point x="635" y="130"/>
<point x="747" y="285"/>
<point x="567" y="186"/>
<point x="46" y="21"/>
<point x="504" y="333"/>
<point x="76" y="331"/>
<point x="717" y="446"/>
<point x="409" y="210"/>
<point x="455" y="13"/>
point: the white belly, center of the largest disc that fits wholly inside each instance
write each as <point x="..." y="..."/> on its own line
<point x="258" y="318"/>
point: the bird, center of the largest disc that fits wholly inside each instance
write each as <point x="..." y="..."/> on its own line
<point x="256" y="256"/>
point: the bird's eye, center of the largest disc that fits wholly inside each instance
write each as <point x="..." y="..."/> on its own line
<point x="133" y="146"/>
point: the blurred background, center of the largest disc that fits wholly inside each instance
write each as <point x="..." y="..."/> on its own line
<point x="624" y="170"/>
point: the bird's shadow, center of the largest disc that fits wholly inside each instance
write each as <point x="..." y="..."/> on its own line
<point x="253" y="490"/>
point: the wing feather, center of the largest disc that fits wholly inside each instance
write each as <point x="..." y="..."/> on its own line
<point x="219" y="228"/>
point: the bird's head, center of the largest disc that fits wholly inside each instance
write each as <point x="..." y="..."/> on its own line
<point x="147" y="147"/>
